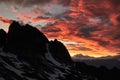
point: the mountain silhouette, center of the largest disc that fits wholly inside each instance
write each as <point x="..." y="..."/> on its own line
<point x="59" y="52"/>
<point x="27" y="54"/>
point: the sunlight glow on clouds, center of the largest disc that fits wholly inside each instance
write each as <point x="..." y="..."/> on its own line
<point x="89" y="27"/>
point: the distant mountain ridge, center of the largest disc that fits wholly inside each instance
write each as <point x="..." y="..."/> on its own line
<point x="107" y="61"/>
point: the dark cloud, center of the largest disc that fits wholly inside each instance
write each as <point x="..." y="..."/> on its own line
<point x="118" y="18"/>
<point x="103" y="43"/>
<point x="116" y="45"/>
<point x="115" y="2"/>
<point x="116" y="37"/>
<point x="26" y="2"/>
<point x="84" y="49"/>
<point x="86" y="30"/>
<point x="64" y="2"/>
<point x="35" y="2"/>
<point x="51" y="29"/>
<point x="78" y="47"/>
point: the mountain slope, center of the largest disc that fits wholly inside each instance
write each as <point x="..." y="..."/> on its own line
<point x="26" y="54"/>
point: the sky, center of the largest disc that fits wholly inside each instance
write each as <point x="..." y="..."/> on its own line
<point x="87" y="27"/>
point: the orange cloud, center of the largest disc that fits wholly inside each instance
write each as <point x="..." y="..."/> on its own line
<point x="92" y="24"/>
<point x="90" y="46"/>
<point x="36" y="19"/>
<point x="5" y="20"/>
<point x="95" y="24"/>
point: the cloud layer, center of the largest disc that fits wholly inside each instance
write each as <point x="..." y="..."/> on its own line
<point x="26" y="2"/>
<point x="95" y="24"/>
<point x="90" y="26"/>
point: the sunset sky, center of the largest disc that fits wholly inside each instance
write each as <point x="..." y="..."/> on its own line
<point x="88" y="27"/>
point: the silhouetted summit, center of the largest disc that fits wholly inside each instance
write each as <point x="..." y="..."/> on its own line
<point x="59" y="51"/>
<point x="27" y="41"/>
<point x="27" y="54"/>
<point x="20" y="37"/>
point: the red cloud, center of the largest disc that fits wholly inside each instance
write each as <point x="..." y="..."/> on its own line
<point x="5" y="20"/>
<point x="94" y="24"/>
<point x="36" y="19"/>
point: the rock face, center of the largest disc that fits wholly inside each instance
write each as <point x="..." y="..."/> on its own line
<point x="59" y="52"/>
<point x="26" y="54"/>
<point x="25" y="37"/>
<point x="3" y="36"/>
<point x="28" y="42"/>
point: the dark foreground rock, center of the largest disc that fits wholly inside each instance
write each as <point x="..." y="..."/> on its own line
<point x="26" y="54"/>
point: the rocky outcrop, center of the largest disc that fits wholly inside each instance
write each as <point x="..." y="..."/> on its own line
<point x="27" y="54"/>
<point x="59" y="52"/>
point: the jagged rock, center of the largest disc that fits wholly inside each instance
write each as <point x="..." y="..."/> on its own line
<point x="26" y="41"/>
<point x="29" y="43"/>
<point x="25" y="37"/>
<point x="28" y="55"/>
<point x="59" y="52"/>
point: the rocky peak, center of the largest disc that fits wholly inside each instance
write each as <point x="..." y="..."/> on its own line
<point x="59" y="51"/>
<point x="29" y="43"/>
<point x="24" y="37"/>
<point x="27" y="54"/>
